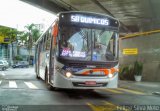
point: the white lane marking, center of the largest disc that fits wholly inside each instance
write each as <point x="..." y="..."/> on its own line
<point x="30" y="85"/>
<point x="12" y="84"/>
<point x="0" y="82"/>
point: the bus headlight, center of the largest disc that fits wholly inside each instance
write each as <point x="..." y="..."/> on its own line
<point x="68" y="74"/>
<point x="110" y="75"/>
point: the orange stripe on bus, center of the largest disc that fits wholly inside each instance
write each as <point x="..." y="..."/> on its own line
<point x="106" y="71"/>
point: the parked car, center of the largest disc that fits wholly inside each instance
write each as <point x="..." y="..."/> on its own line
<point x="4" y="64"/>
<point x="21" y="64"/>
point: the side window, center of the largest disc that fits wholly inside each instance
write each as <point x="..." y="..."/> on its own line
<point x="44" y="42"/>
<point x="112" y="44"/>
<point x="48" y="40"/>
<point x="41" y="45"/>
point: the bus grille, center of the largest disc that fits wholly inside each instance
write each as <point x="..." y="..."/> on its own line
<point x="84" y="65"/>
<point x="90" y="75"/>
<point x="82" y="84"/>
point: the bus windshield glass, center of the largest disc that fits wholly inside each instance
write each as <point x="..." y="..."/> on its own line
<point x="86" y="44"/>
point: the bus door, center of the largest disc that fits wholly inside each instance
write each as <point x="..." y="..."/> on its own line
<point x="51" y="61"/>
<point x="54" y="35"/>
<point x="51" y="64"/>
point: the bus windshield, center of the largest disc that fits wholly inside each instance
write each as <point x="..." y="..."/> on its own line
<point x="87" y="44"/>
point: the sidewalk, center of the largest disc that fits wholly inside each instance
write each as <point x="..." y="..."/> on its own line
<point x="147" y="87"/>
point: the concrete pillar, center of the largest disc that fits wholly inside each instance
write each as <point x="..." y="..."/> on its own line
<point x="10" y="54"/>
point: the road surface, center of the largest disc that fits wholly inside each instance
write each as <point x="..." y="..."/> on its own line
<point x="21" y="91"/>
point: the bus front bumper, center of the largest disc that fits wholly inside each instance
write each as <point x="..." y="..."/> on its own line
<point x="79" y="82"/>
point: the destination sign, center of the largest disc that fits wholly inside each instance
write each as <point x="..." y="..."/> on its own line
<point x="91" y="20"/>
<point x="88" y="20"/>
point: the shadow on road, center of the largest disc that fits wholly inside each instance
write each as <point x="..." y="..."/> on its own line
<point x="82" y="94"/>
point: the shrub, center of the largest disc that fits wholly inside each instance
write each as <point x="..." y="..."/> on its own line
<point x="126" y="73"/>
<point x="138" y="68"/>
<point x="18" y="58"/>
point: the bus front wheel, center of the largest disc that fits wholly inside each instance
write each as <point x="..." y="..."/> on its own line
<point x="37" y="76"/>
<point x="46" y="75"/>
<point x="52" y="88"/>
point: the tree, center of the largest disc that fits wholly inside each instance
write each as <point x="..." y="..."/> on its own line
<point x="30" y="36"/>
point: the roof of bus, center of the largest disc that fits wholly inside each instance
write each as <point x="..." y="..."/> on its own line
<point x="73" y="12"/>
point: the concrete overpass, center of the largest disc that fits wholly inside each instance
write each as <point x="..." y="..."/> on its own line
<point x="140" y="17"/>
<point x="135" y="15"/>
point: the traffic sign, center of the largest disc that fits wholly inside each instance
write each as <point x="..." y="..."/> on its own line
<point x="4" y="39"/>
<point x="130" y="51"/>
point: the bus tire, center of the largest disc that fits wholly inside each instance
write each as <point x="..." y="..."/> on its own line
<point x="46" y="75"/>
<point x="37" y="76"/>
<point x="3" y="68"/>
<point x="52" y="88"/>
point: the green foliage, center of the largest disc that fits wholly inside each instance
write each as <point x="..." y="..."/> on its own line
<point x="33" y="32"/>
<point x="126" y="73"/>
<point x="31" y="35"/>
<point x="18" y="58"/>
<point x="122" y="72"/>
<point x="138" y="68"/>
<point x="9" y="32"/>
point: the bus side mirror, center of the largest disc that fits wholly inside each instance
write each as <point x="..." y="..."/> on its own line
<point x="55" y="33"/>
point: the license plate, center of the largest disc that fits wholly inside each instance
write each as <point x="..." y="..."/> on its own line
<point x="90" y="82"/>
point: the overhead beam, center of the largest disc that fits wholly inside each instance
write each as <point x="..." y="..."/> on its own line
<point x="64" y="4"/>
<point x="102" y="7"/>
<point x="57" y="6"/>
<point x="96" y="2"/>
<point x="47" y="5"/>
<point x="140" y="34"/>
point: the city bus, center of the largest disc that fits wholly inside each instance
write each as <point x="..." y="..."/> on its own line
<point x="79" y="51"/>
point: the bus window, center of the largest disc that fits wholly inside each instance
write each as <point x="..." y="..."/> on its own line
<point x="48" y="41"/>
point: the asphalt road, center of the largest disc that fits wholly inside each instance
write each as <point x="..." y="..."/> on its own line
<point x="21" y="91"/>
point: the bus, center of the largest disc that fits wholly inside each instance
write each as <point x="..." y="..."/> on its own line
<point x="79" y="51"/>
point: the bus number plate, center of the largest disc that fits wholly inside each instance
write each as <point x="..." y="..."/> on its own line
<point x="90" y="82"/>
